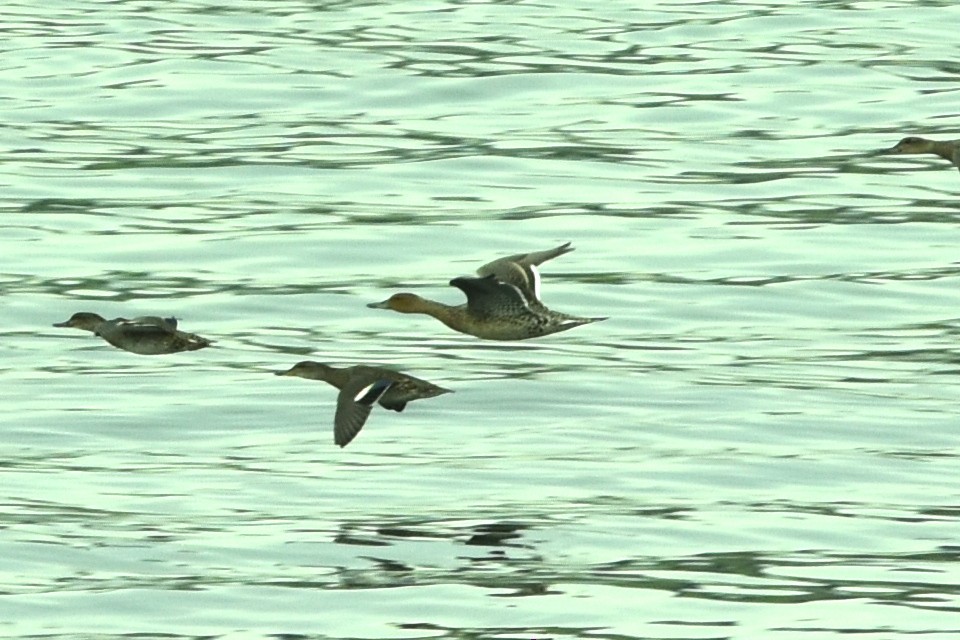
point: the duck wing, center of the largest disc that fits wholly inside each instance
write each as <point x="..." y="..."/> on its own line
<point x="521" y="270"/>
<point x="354" y="403"/>
<point x="149" y="335"/>
<point x="168" y="324"/>
<point x="490" y="297"/>
<point x="524" y="278"/>
<point x="136" y="329"/>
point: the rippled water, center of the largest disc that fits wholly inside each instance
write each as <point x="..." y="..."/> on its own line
<point x="761" y="441"/>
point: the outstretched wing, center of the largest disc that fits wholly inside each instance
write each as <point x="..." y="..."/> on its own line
<point x="353" y="406"/>
<point x="521" y="270"/>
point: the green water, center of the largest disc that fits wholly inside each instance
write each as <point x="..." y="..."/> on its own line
<point x="761" y="441"/>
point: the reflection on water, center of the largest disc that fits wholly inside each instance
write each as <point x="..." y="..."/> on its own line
<point x="752" y="446"/>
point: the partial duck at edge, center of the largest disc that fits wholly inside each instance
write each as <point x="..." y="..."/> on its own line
<point x="946" y="149"/>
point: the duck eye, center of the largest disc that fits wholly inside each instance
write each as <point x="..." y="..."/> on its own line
<point x="911" y="140"/>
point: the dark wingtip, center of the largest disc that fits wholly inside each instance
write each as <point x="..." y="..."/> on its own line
<point x="466" y="281"/>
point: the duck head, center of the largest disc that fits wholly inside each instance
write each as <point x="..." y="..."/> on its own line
<point x="910" y="145"/>
<point x="400" y="302"/>
<point x="306" y="369"/>
<point x="82" y="320"/>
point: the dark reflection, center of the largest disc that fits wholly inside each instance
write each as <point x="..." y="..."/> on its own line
<point x="348" y="537"/>
<point x="403" y="532"/>
<point x="498" y="534"/>
<point x="523" y="570"/>
<point x="488" y="534"/>
<point x="436" y="631"/>
<point x="59" y="205"/>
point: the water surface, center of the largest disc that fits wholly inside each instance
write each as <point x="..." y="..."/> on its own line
<point x="759" y="442"/>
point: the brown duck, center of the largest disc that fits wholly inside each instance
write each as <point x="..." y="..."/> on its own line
<point x="502" y="304"/>
<point x="147" y="336"/>
<point x="360" y="387"/>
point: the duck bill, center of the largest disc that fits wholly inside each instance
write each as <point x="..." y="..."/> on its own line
<point x="894" y="150"/>
<point x="65" y="323"/>
<point x="379" y="305"/>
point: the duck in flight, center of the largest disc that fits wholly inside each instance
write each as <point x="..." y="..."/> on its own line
<point x="503" y="303"/>
<point x="147" y="335"/>
<point x="360" y="388"/>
